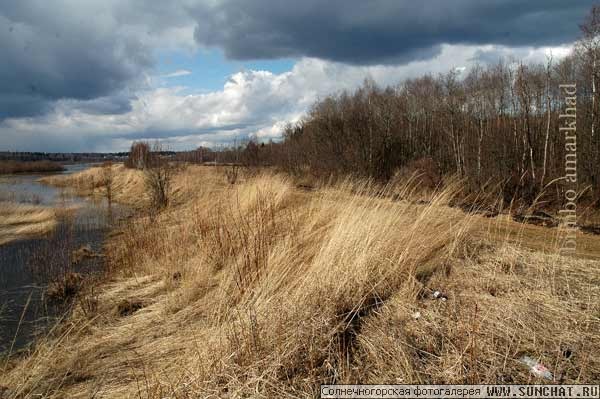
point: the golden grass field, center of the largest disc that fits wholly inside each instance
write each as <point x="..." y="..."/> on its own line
<point x="261" y="289"/>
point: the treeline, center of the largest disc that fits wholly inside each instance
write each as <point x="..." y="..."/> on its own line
<point x="141" y="155"/>
<point x="64" y="157"/>
<point x="9" y="167"/>
<point x="489" y="125"/>
<point x="496" y="124"/>
<point x="245" y="153"/>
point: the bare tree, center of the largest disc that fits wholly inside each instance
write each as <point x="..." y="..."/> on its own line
<point x="158" y="176"/>
<point x="548" y="117"/>
<point x="139" y="155"/>
<point x="589" y="46"/>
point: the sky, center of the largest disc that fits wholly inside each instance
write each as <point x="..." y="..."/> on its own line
<point x="95" y="75"/>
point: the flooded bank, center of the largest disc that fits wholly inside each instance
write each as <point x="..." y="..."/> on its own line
<point x="28" y="266"/>
<point x="26" y="189"/>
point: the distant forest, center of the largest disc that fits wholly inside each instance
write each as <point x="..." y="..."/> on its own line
<point x="497" y="124"/>
<point x="62" y="157"/>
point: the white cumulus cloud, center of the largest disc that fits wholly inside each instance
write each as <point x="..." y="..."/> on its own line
<point x="253" y="102"/>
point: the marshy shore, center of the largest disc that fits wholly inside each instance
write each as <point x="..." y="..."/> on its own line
<point x="50" y="243"/>
<point x="264" y="288"/>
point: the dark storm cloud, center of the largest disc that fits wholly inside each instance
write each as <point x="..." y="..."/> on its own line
<point x="54" y="50"/>
<point x="119" y="103"/>
<point x="381" y="31"/>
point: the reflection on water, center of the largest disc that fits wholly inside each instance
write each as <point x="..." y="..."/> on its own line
<point x="28" y="265"/>
<point x="26" y="188"/>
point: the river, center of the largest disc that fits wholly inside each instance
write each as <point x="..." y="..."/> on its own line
<point x="27" y="266"/>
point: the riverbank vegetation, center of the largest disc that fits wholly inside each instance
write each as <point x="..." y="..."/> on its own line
<point x="10" y="167"/>
<point x="270" y="286"/>
<point x="24" y="220"/>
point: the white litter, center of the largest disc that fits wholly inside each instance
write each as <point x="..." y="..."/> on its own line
<point x="537" y="368"/>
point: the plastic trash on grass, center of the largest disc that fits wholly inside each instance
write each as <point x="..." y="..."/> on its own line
<point x="440" y="295"/>
<point x="537" y="368"/>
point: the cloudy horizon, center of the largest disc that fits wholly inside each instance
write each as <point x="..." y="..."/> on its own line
<point x="96" y="75"/>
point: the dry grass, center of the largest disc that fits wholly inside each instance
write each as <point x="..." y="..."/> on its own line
<point x="127" y="184"/>
<point x="21" y="220"/>
<point x="261" y="290"/>
<point x="535" y="238"/>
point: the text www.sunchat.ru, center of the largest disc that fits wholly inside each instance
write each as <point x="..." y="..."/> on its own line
<point x="460" y="391"/>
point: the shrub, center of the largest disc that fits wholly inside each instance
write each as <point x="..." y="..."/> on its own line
<point x="424" y="170"/>
<point x="157" y="177"/>
<point x="107" y="177"/>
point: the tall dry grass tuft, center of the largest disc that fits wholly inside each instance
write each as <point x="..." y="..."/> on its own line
<point x="345" y="258"/>
<point x="259" y="289"/>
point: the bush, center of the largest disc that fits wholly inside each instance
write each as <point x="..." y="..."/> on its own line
<point x="158" y="175"/>
<point x="107" y="177"/>
<point x="424" y="170"/>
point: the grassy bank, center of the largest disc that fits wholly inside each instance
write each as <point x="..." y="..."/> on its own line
<point x="20" y="220"/>
<point x="263" y="289"/>
<point x="10" y="167"/>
